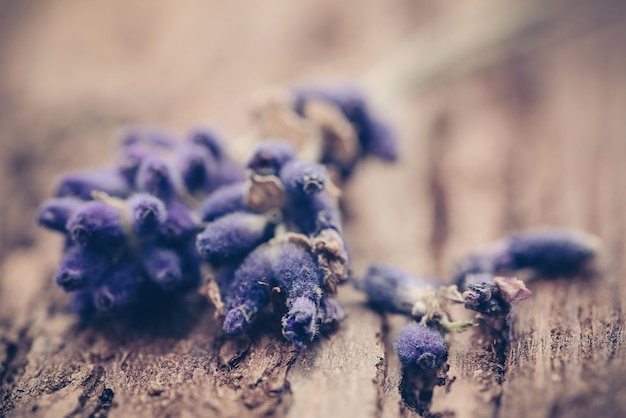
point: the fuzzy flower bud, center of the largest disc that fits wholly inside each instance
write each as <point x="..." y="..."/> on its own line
<point x="420" y="347"/>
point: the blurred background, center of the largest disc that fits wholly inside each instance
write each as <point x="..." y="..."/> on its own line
<point x="453" y="76"/>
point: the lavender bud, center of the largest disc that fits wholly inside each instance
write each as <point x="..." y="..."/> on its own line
<point x="247" y="295"/>
<point x="298" y="275"/>
<point x="163" y="267"/>
<point x="330" y="312"/>
<point x="300" y="323"/>
<point x="551" y="252"/>
<point x="120" y="288"/>
<point x="392" y="289"/>
<point x="97" y="225"/>
<point x="310" y="208"/>
<point x="420" y="347"/>
<point x="81" y="184"/>
<point x="146" y="214"/>
<point x="80" y="268"/>
<point x="210" y="140"/>
<point x="233" y="236"/>
<point x="270" y="156"/>
<point x="494" y="296"/>
<point x="54" y="213"/>
<point x="155" y="177"/>
<point x="196" y="166"/>
<point x="179" y="224"/>
<point x="129" y="162"/>
<point x="223" y="201"/>
<point x="147" y="136"/>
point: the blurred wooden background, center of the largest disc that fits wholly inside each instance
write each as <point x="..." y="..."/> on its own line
<point x="510" y="116"/>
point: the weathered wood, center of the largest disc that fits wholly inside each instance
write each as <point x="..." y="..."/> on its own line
<point x="532" y="136"/>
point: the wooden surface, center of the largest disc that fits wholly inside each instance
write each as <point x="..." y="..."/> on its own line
<point x="534" y="135"/>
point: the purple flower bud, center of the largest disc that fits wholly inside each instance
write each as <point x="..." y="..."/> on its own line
<point x="54" y="213"/>
<point x="197" y="167"/>
<point x="147" y="136"/>
<point x="270" y="156"/>
<point x="375" y="137"/>
<point x="82" y="183"/>
<point x="120" y="288"/>
<point x="330" y="312"/>
<point x="146" y="214"/>
<point x="233" y="236"/>
<point x="551" y="252"/>
<point x="310" y="208"/>
<point x="155" y="177"/>
<point x="223" y="201"/>
<point x="129" y="162"/>
<point x="299" y="277"/>
<point x="179" y="225"/>
<point x="300" y="323"/>
<point x="97" y="225"/>
<point x="80" y="268"/>
<point x="494" y="296"/>
<point x="247" y="294"/>
<point x="163" y="267"/>
<point x="420" y="347"/>
<point x="391" y="289"/>
<point x="210" y="140"/>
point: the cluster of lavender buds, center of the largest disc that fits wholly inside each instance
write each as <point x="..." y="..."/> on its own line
<point x="276" y="240"/>
<point x="544" y="253"/>
<point x="130" y="228"/>
<point x="271" y="230"/>
<point x="334" y="127"/>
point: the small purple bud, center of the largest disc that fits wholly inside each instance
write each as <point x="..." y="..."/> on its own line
<point x="54" y="213"/>
<point x="120" y="288"/>
<point x="81" y="267"/>
<point x="81" y="184"/>
<point x="155" y="177"/>
<point x="300" y="323"/>
<point x="147" y="136"/>
<point x="210" y="140"/>
<point x="247" y="294"/>
<point x="391" y="289"/>
<point x="179" y="224"/>
<point x="311" y="209"/>
<point x="233" y="236"/>
<point x="163" y="267"/>
<point x="270" y="156"/>
<point x="146" y="214"/>
<point x="551" y="252"/>
<point x="223" y="201"/>
<point x="197" y="167"/>
<point x="420" y="347"/>
<point x="330" y="312"/>
<point x="97" y="225"/>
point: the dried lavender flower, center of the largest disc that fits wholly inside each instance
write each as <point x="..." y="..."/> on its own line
<point x="97" y="225"/>
<point x="121" y="287"/>
<point x="495" y="296"/>
<point x="247" y="294"/>
<point x="80" y="268"/>
<point x="547" y="252"/>
<point x="163" y="267"/>
<point x="420" y="347"/>
<point x="223" y="201"/>
<point x="54" y="213"/>
<point x="146" y="214"/>
<point x="270" y="157"/>
<point x="310" y="207"/>
<point x="394" y="290"/>
<point x="233" y="236"/>
<point x="83" y="183"/>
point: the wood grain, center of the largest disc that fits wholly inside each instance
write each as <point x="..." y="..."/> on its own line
<point x="535" y="137"/>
